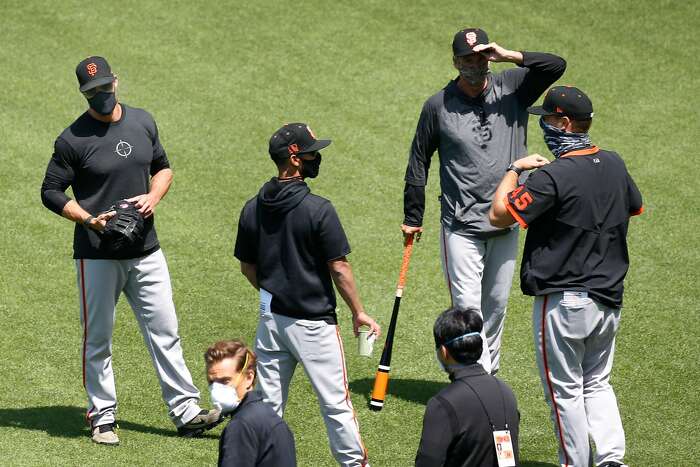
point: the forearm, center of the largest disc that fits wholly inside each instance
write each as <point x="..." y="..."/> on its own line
<point x="74" y="212"/>
<point x="513" y="56"/>
<point x="344" y="281"/>
<point x="160" y="184"/>
<point x="498" y="214"/>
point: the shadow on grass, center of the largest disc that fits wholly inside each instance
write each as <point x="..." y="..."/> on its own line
<point x="68" y="422"/>
<point x="537" y="464"/>
<point x="412" y="390"/>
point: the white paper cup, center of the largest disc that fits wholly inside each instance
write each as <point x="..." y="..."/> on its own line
<point x="365" y="342"/>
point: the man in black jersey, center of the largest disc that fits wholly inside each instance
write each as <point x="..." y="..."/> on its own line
<point x="577" y="209"/>
<point x="293" y="249"/>
<point x="112" y="152"/>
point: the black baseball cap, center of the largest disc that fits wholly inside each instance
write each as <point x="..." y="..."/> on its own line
<point x="293" y="139"/>
<point x="565" y="101"/>
<point x="93" y="72"/>
<point x="466" y="39"/>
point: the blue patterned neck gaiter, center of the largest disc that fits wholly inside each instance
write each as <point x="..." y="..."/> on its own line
<point x="560" y="142"/>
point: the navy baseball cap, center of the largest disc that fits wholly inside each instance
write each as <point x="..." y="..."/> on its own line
<point x="93" y="72"/>
<point x="293" y="139"/>
<point x="465" y="40"/>
<point x="565" y="101"/>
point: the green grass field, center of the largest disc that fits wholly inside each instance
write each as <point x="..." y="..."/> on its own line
<point x="220" y="77"/>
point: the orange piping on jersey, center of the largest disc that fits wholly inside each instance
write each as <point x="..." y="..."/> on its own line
<point x="638" y="211"/>
<point x="582" y="152"/>
<point x="347" y="397"/>
<point x="549" y="385"/>
<point x="515" y="214"/>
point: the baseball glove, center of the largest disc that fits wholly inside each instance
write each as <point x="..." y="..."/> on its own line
<point x="125" y="229"/>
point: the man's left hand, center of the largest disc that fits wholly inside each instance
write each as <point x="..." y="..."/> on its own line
<point x="145" y="203"/>
<point x="495" y="53"/>
<point x="363" y="319"/>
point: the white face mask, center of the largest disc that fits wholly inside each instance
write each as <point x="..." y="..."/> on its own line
<point x="224" y="398"/>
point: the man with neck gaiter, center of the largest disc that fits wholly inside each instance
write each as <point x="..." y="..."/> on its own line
<point x="478" y="125"/>
<point x="577" y="211"/>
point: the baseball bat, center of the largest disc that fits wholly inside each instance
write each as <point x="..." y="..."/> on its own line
<point x="381" y="379"/>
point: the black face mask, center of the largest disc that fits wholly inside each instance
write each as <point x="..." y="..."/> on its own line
<point x="103" y="102"/>
<point x="309" y="169"/>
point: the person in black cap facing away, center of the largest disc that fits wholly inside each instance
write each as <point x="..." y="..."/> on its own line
<point x="256" y="436"/>
<point x="575" y="261"/>
<point x="478" y="125"/>
<point x="112" y="152"/>
<point x="292" y="248"/>
<point x="474" y="421"/>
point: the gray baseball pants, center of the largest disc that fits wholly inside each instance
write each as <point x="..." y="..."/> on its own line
<point x="479" y="274"/>
<point x="574" y="344"/>
<point x="145" y="282"/>
<point x="282" y="342"/>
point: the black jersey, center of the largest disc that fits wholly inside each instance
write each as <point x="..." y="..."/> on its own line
<point x="577" y="209"/>
<point x="291" y="235"/>
<point x="103" y="163"/>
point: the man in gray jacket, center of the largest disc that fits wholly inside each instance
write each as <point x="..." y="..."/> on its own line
<point x="478" y="125"/>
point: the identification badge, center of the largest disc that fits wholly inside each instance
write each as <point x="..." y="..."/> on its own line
<point x="265" y="301"/>
<point x="504" y="448"/>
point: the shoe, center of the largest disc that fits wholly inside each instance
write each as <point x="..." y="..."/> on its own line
<point x="203" y="421"/>
<point x="612" y="464"/>
<point x="105" y="434"/>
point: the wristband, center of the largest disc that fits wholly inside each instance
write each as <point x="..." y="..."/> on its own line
<point x="515" y="169"/>
<point x="88" y="220"/>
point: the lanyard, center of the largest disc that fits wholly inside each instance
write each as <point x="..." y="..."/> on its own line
<point x="488" y="416"/>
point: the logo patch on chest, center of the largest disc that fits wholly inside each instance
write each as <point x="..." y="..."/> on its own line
<point x="123" y="148"/>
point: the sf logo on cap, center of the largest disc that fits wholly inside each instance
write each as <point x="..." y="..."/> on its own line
<point x="471" y="38"/>
<point x="91" y="69"/>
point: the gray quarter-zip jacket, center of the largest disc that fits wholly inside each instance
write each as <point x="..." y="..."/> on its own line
<point x="476" y="140"/>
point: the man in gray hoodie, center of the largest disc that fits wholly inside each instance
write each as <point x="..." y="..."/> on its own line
<point x="478" y="126"/>
<point x="292" y="248"/>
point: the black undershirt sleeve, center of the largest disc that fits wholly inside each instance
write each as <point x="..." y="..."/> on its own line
<point x="424" y="145"/>
<point x="59" y="176"/>
<point x="543" y="70"/>
<point x="413" y="205"/>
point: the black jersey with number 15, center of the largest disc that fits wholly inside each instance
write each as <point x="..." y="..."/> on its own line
<point x="577" y="209"/>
